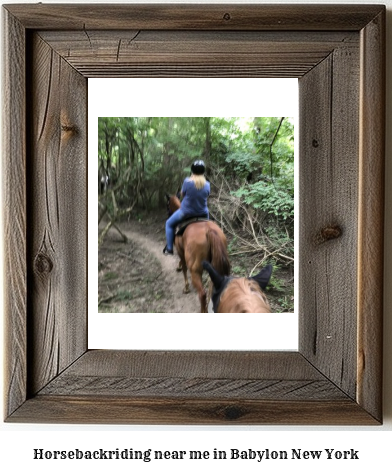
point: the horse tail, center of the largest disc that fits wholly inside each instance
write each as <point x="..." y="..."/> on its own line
<point x="219" y="255"/>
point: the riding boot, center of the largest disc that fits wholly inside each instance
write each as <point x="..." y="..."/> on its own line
<point x="166" y="251"/>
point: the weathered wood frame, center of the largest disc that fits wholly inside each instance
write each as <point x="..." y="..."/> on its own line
<point x="337" y="52"/>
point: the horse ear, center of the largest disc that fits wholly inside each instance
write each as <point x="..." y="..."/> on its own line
<point x="263" y="277"/>
<point x="217" y="279"/>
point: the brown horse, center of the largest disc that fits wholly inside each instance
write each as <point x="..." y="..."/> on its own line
<point x="203" y="240"/>
<point x="239" y="295"/>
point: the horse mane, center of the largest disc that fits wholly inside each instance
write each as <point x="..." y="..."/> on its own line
<point x="219" y="256"/>
<point x="243" y="296"/>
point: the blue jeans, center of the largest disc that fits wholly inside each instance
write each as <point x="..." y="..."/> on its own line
<point x="171" y="223"/>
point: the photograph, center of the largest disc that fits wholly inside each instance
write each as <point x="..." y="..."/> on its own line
<point x="196" y="214"/>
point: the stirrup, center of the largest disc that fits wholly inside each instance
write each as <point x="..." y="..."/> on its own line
<point x="166" y="251"/>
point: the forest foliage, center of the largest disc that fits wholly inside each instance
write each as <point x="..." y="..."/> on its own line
<point x="250" y="164"/>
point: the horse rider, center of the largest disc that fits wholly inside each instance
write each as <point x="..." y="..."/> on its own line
<point x="194" y="193"/>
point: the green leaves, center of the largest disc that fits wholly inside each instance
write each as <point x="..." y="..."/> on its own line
<point x="256" y="154"/>
<point x="265" y="164"/>
<point x="266" y="197"/>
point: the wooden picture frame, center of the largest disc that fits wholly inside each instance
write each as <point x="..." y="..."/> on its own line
<point x="338" y="54"/>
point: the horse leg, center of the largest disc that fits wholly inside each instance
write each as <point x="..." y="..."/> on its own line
<point x="182" y="266"/>
<point x="185" y="273"/>
<point x="182" y="263"/>
<point x="198" y="284"/>
<point x="209" y="292"/>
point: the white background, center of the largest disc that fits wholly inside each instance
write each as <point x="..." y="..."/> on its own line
<point x="184" y="98"/>
<point x="374" y="443"/>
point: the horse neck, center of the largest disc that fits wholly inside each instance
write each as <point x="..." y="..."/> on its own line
<point x="174" y="204"/>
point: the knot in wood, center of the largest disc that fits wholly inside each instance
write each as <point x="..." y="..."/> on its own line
<point x="315" y="143"/>
<point x="68" y="128"/>
<point x="232" y="413"/>
<point x="328" y="233"/>
<point x="227" y="16"/>
<point x="43" y="264"/>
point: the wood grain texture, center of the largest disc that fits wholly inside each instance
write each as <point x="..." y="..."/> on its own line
<point x="371" y="216"/>
<point x="57" y="215"/>
<point x="206" y="374"/>
<point x="192" y="387"/>
<point x="188" y="387"/>
<point x="103" y="409"/>
<point x="208" y="364"/>
<point x="195" y="17"/>
<point x="195" y="53"/>
<point x="14" y="211"/>
<point x="329" y="143"/>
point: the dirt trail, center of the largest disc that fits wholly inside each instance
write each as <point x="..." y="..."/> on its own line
<point x="136" y="277"/>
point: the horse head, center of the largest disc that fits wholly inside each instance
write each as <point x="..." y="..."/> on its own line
<point x="233" y="294"/>
<point x="172" y="203"/>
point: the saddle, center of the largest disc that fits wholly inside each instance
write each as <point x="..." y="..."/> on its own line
<point x="180" y="228"/>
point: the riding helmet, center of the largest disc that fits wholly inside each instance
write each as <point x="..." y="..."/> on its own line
<point x="198" y="167"/>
